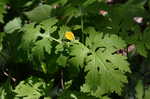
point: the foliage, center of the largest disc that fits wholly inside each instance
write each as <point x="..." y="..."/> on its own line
<point x="32" y="88"/>
<point x="74" y="49"/>
<point x="103" y="62"/>
<point x="140" y="91"/>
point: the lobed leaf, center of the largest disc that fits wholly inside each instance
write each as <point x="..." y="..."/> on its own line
<point x="105" y="68"/>
<point x="78" y="52"/>
<point x="31" y="88"/>
<point x="37" y="42"/>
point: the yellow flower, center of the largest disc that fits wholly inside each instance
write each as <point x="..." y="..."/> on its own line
<point x="69" y="35"/>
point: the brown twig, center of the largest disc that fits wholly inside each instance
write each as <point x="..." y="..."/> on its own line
<point x="8" y="75"/>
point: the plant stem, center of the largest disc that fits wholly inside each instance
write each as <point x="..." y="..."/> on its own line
<point x="56" y="40"/>
<point x="61" y="80"/>
<point x="50" y="37"/>
<point x="82" y="25"/>
<point x="68" y="20"/>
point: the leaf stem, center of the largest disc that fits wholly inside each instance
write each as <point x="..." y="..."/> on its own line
<point x="61" y="80"/>
<point x="56" y="40"/>
<point x="82" y="25"/>
<point x="50" y="37"/>
<point x="68" y="20"/>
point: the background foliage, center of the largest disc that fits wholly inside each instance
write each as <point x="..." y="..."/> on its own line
<point x="105" y="54"/>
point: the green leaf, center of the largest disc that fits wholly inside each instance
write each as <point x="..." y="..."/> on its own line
<point x="44" y="67"/>
<point x="62" y="60"/>
<point x="35" y="42"/>
<point x="62" y="2"/>
<point x="2" y="34"/>
<point x="142" y="42"/>
<point x="2" y="9"/>
<point x="147" y="93"/>
<point x="68" y="94"/>
<point x="78" y="52"/>
<point x="72" y="11"/>
<point x="139" y="90"/>
<point x="39" y="13"/>
<point x="31" y="88"/>
<point x="141" y="49"/>
<point x="40" y="47"/>
<point x="30" y="35"/>
<point x="49" y="25"/>
<point x="106" y="69"/>
<point x="47" y="98"/>
<point x="76" y="27"/>
<point x="94" y="41"/>
<point x="59" y="48"/>
<point x="88" y="2"/>
<point x="146" y="39"/>
<point x="13" y="25"/>
<point x="6" y="90"/>
<point x="27" y="4"/>
<point x="2" y="93"/>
